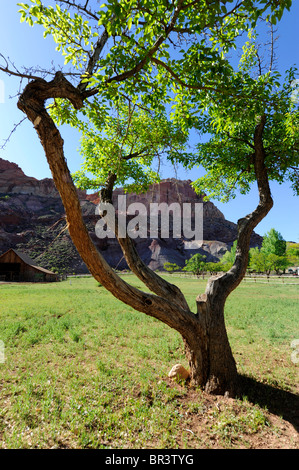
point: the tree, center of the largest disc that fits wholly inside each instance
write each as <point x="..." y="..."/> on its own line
<point x="292" y="254"/>
<point x="196" y="264"/>
<point x="279" y="263"/>
<point x="171" y="267"/>
<point x="134" y="49"/>
<point x="258" y="260"/>
<point x="274" y="243"/>
<point x="266" y="262"/>
<point x="215" y="268"/>
<point x="271" y="256"/>
<point x="229" y="256"/>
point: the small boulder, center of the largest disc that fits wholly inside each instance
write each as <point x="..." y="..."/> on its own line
<point x="179" y="372"/>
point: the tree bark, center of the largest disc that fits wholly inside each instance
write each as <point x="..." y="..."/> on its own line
<point x="212" y="365"/>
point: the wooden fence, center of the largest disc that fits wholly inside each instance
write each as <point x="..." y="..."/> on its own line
<point x="256" y="278"/>
<point x="273" y="279"/>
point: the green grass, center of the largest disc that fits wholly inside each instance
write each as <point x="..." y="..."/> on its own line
<point x="83" y="370"/>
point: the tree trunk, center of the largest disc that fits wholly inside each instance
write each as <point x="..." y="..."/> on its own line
<point x="208" y="351"/>
<point x="207" y="348"/>
<point x="210" y="357"/>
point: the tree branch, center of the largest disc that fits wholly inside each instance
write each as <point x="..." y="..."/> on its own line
<point x="240" y="140"/>
<point x="81" y="8"/>
<point x="226" y="283"/>
<point x="102" y="40"/>
<point x="18" y="74"/>
<point x="139" y="153"/>
<point x="153" y="281"/>
<point x="179" y="80"/>
<point x="150" y="53"/>
<point x="14" y="129"/>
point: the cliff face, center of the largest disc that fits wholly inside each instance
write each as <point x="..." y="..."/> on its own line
<point x="14" y="181"/>
<point x="32" y="219"/>
<point x="167" y="191"/>
<point x="218" y="233"/>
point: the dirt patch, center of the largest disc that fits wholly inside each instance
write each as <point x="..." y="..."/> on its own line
<point x="217" y="422"/>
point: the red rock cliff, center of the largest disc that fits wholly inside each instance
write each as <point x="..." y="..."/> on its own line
<point x="14" y="181"/>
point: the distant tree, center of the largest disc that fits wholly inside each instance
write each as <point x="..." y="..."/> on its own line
<point x="258" y="261"/>
<point x="292" y="254"/>
<point x="215" y="267"/>
<point x="279" y="263"/>
<point x="266" y="262"/>
<point x="196" y="264"/>
<point x="229" y="256"/>
<point x="171" y="267"/>
<point x="274" y="243"/>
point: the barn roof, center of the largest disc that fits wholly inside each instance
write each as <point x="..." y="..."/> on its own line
<point x="29" y="261"/>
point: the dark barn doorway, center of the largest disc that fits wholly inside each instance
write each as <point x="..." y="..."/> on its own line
<point x="10" y="271"/>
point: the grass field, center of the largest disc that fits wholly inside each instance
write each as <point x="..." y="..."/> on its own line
<point x="82" y="370"/>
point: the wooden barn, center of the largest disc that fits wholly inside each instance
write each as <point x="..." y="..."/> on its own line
<point x="16" y="266"/>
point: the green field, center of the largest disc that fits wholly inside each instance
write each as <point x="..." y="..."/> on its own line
<point x="82" y="370"/>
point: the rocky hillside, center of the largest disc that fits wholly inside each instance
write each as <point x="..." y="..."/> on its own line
<point x="32" y="219"/>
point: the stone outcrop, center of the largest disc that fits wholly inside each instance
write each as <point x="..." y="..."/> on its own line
<point x="218" y="233"/>
<point x="32" y="219"/>
<point x="167" y="191"/>
<point x="14" y="181"/>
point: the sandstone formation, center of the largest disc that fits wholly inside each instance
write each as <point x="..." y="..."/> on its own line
<point x="14" y="181"/>
<point x="218" y="233"/>
<point x="32" y="220"/>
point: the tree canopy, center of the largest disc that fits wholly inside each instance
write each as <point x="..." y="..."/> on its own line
<point x="143" y="57"/>
<point x="228" y="155"/>
<point x="124" y="140"/>
<point x="195" y="264"/>
<point x="274" y="243"/>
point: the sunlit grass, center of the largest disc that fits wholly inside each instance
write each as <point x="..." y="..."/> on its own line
<point x="84" y="370"/>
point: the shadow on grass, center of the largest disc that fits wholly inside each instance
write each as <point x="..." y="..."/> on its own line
<point x="279" y="402"/>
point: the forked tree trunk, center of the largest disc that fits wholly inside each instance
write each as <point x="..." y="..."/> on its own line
<point x="212" y="365"/>
<point x="207" y="348"/>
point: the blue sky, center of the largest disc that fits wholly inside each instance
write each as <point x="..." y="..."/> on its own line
<point x="26" y="46"/>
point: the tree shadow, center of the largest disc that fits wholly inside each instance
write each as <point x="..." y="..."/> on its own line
<point x="279" y="402"/>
